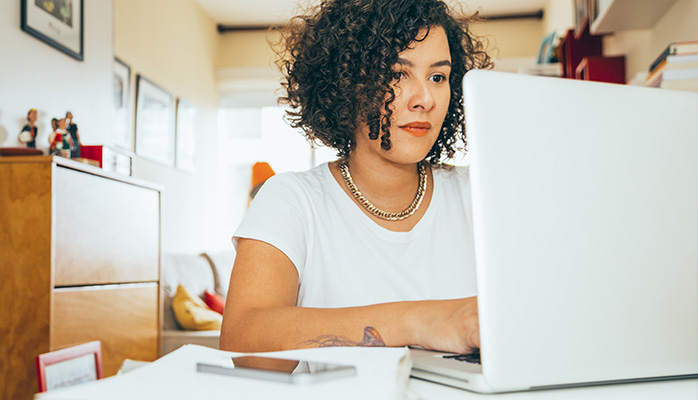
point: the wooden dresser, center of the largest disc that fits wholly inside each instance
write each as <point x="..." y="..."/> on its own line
<point x="79" y="261"/>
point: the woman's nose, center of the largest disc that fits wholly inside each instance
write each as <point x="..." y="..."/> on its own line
<point x="421" y="98"/>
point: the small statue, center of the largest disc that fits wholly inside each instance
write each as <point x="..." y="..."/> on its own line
<point x="72" y="129"/>
<point x="60" y="141"/>
<point x="28" y="134"/>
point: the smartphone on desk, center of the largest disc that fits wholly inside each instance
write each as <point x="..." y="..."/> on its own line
<point x="277" y="369"/>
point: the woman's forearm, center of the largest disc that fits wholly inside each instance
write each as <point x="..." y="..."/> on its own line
<point x="284" y="328"/>
<point x="440" y="324"/>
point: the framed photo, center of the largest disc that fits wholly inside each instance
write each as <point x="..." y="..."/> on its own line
<point x="121" y="107"/>
<point x="155" y="135"/>
<point x="69" y="366"/>
<point x="58" y="23"/>
<point x="186" y="136"/>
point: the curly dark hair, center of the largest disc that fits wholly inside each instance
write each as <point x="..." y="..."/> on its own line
<point x="337" y="64"/>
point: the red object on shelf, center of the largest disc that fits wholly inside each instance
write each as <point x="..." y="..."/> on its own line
<point x="108" y="158"/>
<point x="602" y="69"/>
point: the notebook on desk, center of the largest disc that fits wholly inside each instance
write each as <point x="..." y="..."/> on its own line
<point x="585" y="218"/>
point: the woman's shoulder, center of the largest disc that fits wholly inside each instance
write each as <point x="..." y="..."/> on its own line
<point x="450" y="172"/>
<point x="317" y="174"/>
<point x="310" y="181"/>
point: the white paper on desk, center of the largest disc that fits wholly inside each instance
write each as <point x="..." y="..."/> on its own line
<point x="381" y="373"/>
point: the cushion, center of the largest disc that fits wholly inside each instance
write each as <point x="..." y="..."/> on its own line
<point x="214" y="301"/>
<point x="222" y="265"/>
<point x="192" y="313"/>
<point x="191" y="271"/>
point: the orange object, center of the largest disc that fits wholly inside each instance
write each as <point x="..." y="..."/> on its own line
<point x="261" y="171"/>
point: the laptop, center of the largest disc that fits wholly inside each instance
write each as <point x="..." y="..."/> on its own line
<point x="585" y="219"/>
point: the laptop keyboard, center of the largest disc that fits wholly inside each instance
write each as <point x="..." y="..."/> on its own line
<point x="473" y="358"/>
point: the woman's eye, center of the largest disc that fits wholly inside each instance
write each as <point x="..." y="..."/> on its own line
<point x="438" y="78"/>
<point x="397" y="75"/>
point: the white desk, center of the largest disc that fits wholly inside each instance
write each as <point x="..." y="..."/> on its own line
<point x="668" y="390"/>
<point x="174" y="377"/>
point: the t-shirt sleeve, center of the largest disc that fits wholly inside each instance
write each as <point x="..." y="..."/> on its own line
<point x="278" y="215"/>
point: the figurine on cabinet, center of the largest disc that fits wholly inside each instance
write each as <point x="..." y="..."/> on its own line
<point x="60" y="141"/>
<point x="72" y="129"/>
<point x="28" y="134"/>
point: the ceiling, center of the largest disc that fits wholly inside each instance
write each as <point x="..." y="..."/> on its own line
<point x="247" y="13"/>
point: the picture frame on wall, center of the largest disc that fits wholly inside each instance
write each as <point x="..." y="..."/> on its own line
<point x="122" y="128"/>
<point x="187" y="120"/>
<point x="155" y="135"/>
<point x="58" y="23"/>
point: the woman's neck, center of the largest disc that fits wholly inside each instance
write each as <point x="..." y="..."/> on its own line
<point x="382" y="177"/>
<point x="389" y="186"/>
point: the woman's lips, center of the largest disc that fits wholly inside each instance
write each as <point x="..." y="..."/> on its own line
<point x="416" y="129"/>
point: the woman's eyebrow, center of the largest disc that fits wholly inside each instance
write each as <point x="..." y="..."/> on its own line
<point x="442" y="63"/>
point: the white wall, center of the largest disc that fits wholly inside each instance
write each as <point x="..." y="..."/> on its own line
<point x="177" y="49"/>
<point x="36" y="75"/>
<point x="558" y="16"/>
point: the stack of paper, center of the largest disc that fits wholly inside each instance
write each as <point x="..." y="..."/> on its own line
<point x="382" y="373"/>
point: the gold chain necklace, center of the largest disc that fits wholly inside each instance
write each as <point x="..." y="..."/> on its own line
<point x="390" y="216"/>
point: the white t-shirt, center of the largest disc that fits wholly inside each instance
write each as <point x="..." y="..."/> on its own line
<point x="345" y="259"/>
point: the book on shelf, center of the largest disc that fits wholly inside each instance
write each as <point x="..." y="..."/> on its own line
<point x="681" y="84"/>
<point x="675" y="48"/>
<point x="683" y="61"/>
<point x="552" y="69"/>
<point x="676" y="68"/>
<point x="677" y="74"/>
<point x="672" y="75"/>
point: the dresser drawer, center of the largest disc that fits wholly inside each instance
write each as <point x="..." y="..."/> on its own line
<point x="123" y="317"/>
<point x="106" y="231"/>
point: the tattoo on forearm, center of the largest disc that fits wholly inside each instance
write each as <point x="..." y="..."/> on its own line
<point x="371" y="338"/>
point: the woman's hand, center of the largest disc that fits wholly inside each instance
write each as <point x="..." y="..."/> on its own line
<point x="448" y="325"/>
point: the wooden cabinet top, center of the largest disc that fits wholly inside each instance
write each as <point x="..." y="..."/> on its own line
<point x="78" y="166"/>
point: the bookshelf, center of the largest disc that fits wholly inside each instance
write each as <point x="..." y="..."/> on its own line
<point x="618" y="15"/>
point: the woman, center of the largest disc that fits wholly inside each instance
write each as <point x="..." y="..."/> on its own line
<point x="375" y="248"/>
<point x="30" y="130"/>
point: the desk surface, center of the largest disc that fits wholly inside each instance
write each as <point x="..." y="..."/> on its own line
<point x="668" y="390"/>
<point x="174" y="377"/>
